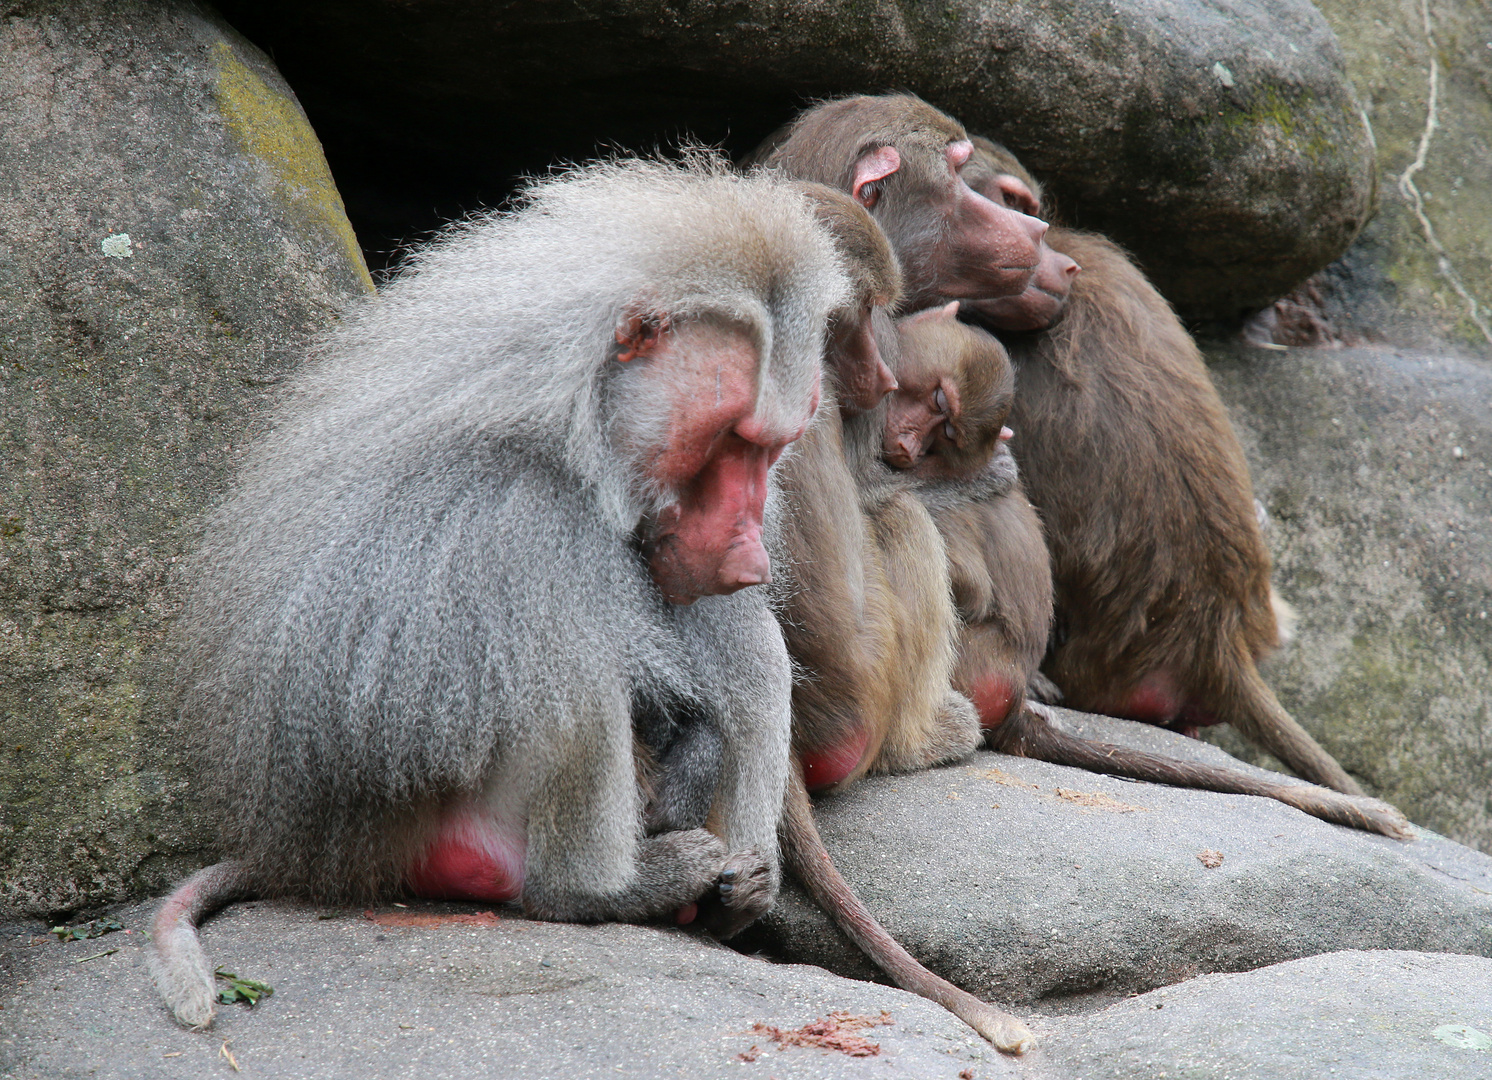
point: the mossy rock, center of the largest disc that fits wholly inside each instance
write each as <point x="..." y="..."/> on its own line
<point x="1375" y="466"/>
<point x="1421" y="272"/>
<point x="170" y="239"/>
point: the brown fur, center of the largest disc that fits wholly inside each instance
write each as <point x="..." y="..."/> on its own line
<point x="1159" y="565"/>
<point x="1003" y="586"/>
<point x="997" y="559"/>
<point x="867" y="615"/>
<point x="867" y="611"/>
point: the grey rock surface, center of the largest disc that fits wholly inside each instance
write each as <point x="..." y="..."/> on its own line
<point x="1345" y="1016"/>
<point x="170" y="238"/>
<point x="1375" y="466"/>
<point x="512" y="998"/>
<point x="515" y="999"/>
<point x="1219" y="140"/>
<point x="1042" y="886"/>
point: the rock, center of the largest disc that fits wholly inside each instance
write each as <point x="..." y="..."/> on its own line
<point x="1416" y="279"/>
<point x="1347" y="1015"/>
<point x="170" y="237"/>
<point x="1219" y="140"/>
<point x="477" y="993"/>
<point x="509" y="998"/>
<point x="1033" y="884"/>
<point x="1375" y="467"/>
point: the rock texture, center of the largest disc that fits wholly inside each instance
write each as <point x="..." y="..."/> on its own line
<point x="169" y="239"/>
<point x="1348" y="1015"/>
<point x="1219" y="140"/>
<point x="1043" y="886"/>
<point x="511" y="998"/>
<point x="504" y="996"/>
<point x="1422" y="269"/>
<point x="1375" y="466"/>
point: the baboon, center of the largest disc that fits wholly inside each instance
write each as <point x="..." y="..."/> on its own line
<point x="866" y="611"/>
<point x="902" y="159"/>
<point x="945" y="426"/>
<point x="501" y="531"/>
<point x="864" y="588"/>
<point x="1163" y="602"/>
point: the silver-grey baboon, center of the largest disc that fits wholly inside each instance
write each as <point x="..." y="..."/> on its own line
<point x="496" y="542"/>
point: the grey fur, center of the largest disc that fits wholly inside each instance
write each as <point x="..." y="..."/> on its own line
<point x="427" y="587"/>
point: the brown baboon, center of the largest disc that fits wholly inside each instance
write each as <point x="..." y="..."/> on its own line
<point x="945" y="426"/>
<point x="502" y="530"/>
<point x="1163" y="602"/>
<point x="866" y="611"/>
<point x="902" y="159"/>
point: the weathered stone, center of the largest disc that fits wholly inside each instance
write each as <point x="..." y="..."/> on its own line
<point x="1347" y="1015"/>
<point x="1375" y="467"/>
<point x="169" y="239"/>
<point x="1218" y="140"/>
<point x="517" y="999"/>
<point x="1422" y="269"/>
<point x="1038" y="885"/>
<point x="512" y="998"/>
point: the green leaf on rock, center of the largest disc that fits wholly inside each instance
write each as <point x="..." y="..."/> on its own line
<point x="236" y="989"/>
<point x="83" y="931"/>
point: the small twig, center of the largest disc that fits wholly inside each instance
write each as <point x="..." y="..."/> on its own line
<point x="95" y="956"/>
<point x="225" y="1052"/>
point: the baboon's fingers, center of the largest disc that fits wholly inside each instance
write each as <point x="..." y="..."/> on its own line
<point x="743" y="894"/>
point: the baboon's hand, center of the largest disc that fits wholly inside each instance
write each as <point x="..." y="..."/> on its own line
<point x="744" y="893"/>
<point x="684" y="864"/>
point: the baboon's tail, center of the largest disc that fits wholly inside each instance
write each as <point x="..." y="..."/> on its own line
<point x="1251" y="707"/>
<point x="806" y="856"/>
<point x="1029" y="734"/>
<point x="177" y="964"/>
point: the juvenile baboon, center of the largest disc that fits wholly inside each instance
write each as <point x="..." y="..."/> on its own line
<point x="500" y="532"/>
<point x="1163" y="602"/>
<point x="902" y="159"/>
<point x="864" y="589"/>
<point x="865" y="610"/>
<point x="945" y="427"/>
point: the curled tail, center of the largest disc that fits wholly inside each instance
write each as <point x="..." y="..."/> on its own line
<point x="177" y="963"/>
<point x="1029" y="734"/>
<point x="808" y="859"/>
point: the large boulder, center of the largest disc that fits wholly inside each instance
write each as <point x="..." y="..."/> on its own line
<point x="1219" y="140"/>
<point x="1375" y="466"/>
<point x="1041" y="886"/>
<point x="170" y="237"/>
<point x="441" y="992"/>
<point x="1422" y="269"/>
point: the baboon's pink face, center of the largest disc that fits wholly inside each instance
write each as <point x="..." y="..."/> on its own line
<point x="1042" y="302"/>
<point x="714" y="449"/>
<point x="864" y="379"/>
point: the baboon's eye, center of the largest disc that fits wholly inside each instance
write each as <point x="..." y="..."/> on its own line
<point x="941" y="400"/>
<point x="948" y="430"/>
